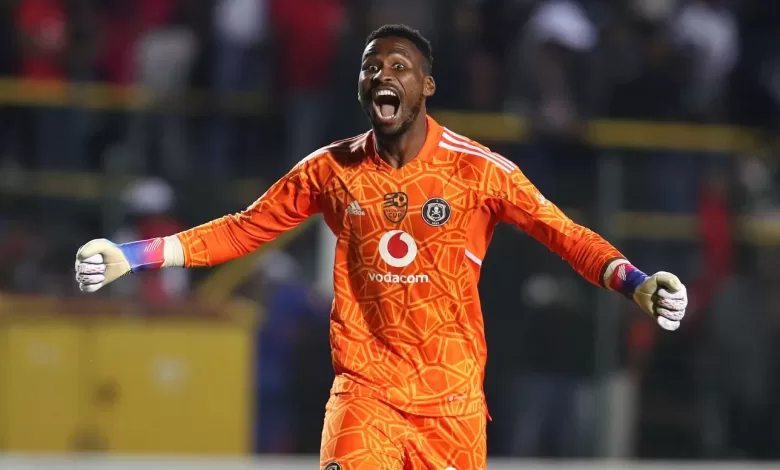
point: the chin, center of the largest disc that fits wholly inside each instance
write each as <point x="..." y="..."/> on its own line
<point x="390" y="128"/>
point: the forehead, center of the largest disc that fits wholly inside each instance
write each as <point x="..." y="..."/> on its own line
<point x="392" y="45"/>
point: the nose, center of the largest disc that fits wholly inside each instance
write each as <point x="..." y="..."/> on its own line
<point x="383" y="75"/>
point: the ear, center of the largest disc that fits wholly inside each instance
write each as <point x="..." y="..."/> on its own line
<point x="429" y="87"/>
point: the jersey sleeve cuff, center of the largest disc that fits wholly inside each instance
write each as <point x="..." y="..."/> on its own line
<point x="173" y="252"/>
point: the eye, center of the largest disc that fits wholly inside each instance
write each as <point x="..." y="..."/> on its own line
<point x="399" y="66"/>
<point x="371" y="68"/>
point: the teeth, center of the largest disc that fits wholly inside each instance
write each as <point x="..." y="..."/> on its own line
<point x="386" y="93"/>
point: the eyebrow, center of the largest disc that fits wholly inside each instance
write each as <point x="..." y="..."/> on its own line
<point x="402" y="51"/>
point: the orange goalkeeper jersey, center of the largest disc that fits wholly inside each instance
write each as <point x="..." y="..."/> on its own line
<point x="406" y="325"/>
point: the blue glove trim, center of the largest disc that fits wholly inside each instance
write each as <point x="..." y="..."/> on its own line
<point x="144" y="255"/>
<point x="626" y="279"/>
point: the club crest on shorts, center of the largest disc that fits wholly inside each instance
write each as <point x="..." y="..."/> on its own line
<point x="332" y="466"/>
<point x="436" y="211"/>
<point x="395" y="206"/>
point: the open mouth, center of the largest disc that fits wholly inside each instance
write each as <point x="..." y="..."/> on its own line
<point x="386" y="104"/>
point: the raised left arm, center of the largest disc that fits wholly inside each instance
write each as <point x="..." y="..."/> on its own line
<point x="516" y="200"/>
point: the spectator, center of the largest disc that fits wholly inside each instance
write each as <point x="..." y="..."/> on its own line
<point x="118" y="28"/>
<point x="10" y="126"/>
<point x="645" y="72"/>
<point x="754" y="95"/>
<point x="418" y="15"/>
<point x="735" y="385"/>
<point x="769" y="444"/>
<point x="708" y="30"/>
<point x="549" y="420"/>
<point x="554" y="51"/>
<point x="559" y="35"/>
<point x="43" y="30"/>
<point x="715" y="230"/>
<point x="308" y="35"/>
<point x="164" y="58"/>
<point x="81" y="69"/>
<point x="242" y="63"/>
<point x="150" y="203"/>
<point x="292" y="308"/>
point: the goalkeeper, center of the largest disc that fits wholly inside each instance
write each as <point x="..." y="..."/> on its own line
<point x="414" y="207"/>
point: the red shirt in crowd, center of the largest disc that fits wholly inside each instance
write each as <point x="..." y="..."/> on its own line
<point x="122" y="24"/>
<point x="309" y="33"/>
<point x="44" y="25"/>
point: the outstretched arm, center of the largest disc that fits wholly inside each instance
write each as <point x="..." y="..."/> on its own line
<point x="284" y="206"/>
<point x="516" y="200"/>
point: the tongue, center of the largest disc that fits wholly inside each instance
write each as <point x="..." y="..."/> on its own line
<point x="387" y="110"/>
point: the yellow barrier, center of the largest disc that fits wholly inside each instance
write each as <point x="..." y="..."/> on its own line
<point x="162" y="385"/>
<point x="101" y="96"/>
<point x="489" y="127"/>
<point x="42" y="389"/>
<point x="636" y="135"/>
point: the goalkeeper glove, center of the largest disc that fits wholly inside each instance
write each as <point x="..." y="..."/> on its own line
<point x="662" y="295"/>
<point x="101" y="262"/>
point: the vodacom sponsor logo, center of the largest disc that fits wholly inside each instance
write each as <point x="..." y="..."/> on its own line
<point x="398" y="249"/>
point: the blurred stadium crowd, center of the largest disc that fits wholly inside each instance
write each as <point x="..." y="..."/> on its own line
<point x="237" y="91"/>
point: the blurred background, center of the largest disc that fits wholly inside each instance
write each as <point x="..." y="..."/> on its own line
<point x="651" y="121"/>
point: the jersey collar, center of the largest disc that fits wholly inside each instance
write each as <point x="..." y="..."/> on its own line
<point x="427" y="151"/>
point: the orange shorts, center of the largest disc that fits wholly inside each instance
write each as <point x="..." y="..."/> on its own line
<point x="365" y="434"/>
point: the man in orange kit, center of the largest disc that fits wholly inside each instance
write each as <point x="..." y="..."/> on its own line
<point x="413" y="206"/>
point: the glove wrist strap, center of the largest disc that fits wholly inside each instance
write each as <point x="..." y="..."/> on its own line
<point x="155" y="253"/>
<point x="625" y="279"/>
<point x="144" y="255"/>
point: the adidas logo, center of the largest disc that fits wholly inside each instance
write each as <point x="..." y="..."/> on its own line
<point x="355" y="209"/>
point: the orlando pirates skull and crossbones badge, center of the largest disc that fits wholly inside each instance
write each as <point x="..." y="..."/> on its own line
<point x="436" y="211"/>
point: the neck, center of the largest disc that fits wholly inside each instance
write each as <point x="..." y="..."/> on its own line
<point x="399" y="150"/>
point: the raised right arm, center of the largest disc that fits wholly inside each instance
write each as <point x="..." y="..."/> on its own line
<point x="286" y="204"/>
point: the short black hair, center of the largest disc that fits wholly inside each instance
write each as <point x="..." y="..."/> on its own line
<point x="408" y="33"/>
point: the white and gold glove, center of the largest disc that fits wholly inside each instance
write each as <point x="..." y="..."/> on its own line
<point x="101" y="262"/>
<point x="662" y="295"/>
